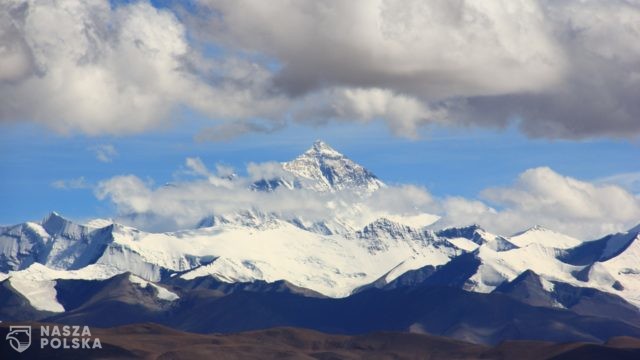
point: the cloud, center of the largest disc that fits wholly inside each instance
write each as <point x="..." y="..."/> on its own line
<point x="183" y="204"/>
<point x="197" y="166"/>
<point x="225" y="171"/>
<point x="105" y="152"/>
<point x="402" y="198"/>
<point x="538" y="196"/>
<point x="71" y="184"/>
<point x="561" y="69"/>
<point x="542" y="196"/>
<point x="127" y="192"/>
<point x="223" y="176"/>
<point x="85" y="66"/>
<point x="557" y="69"/>
<point x="266" y="170"/>
<point x="404" y="114"/>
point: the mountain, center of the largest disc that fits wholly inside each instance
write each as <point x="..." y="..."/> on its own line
<point x="473" y="317"/>
<point x="468" y="238"/>
<point x="121" y="298"/>
<point x="545" y="237"/>
<point x="55" y="242"/>
<point x="17" y="306"/>
<point x="332" y="265"/>
<point x="408" y="278"/>
<point x="479" y="318"/>
<point x="60" y="270"/>
<point x="602" y="249"/>
<point x="254" y="218"/>
<point x="530" y="288"/>
<point x="264" y="249"/>
<point x="331" y="256"/>
<point x="210" y="283"/>
<point x="588" y="265"/>
<point x="322" y="168"/>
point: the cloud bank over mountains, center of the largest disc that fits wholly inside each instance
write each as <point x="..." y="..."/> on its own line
<point x="542" y="196"/>
<point x="538" y="196"/>
<point x="558" y="69"/>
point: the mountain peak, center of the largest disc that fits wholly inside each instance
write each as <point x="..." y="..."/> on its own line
<point x="320" y="144"/>
<point x="320" y="148"/>
<point x="322" y="168"/>
<point x="54" y="223"/>
<point x="538" y="227"/>
<point x="545" y="237"/>
<point x="534" y="229"/>
<point x="53" y="220"/>
<point x="384" y="222"/>
<point x="53" y="214"/>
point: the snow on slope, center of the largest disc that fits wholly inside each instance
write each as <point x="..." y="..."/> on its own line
<point x="625" y="268"/>
<point x="618" y="242"/>
<point x="332" y="257"/>
<point x="468" y="238"/>
<point x="618" y="275"/>
<point x="332" y="265"/>
<point x="497" y="267"/>
<point x="545" y="237"/>
<point x="55" y="242"/>
<point x="415" y="221"/>
<point x="346" y="223"/>
<point x="322" y="168"/>
<point x="464" y="244"/>
<point x="163" y="293"/>
<point x="233" y="251"/>
<point x="37" y="283"/>
<point x="99" y="223"/>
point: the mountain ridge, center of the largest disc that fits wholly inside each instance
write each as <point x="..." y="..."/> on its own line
<point x="253" y="255"/>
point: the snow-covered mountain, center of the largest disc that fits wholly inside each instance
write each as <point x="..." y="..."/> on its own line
<point x="333" y="257"/>
<point x="55" y="242"/>
<point x="609" y="264"/>
<point x="333" y="265"/>
<point x="322" y="168"/>
<point x="541" y="236"/>
<point x="268" y="250"/>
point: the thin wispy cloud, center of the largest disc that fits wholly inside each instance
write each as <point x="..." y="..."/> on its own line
<point x="71" y="184"/>
<point x="104" y="153"/>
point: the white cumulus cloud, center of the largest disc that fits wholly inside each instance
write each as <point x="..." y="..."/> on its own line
<point x="539" y="196"/>
<point x="86" y="66"/>
<point x="542" y="196"/>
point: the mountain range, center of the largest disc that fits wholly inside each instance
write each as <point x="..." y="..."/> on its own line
<point x="250" y="270"/>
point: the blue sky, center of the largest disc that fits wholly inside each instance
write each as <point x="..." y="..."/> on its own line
<point x="446" y="161"/>
<point x="506" y="113"/>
